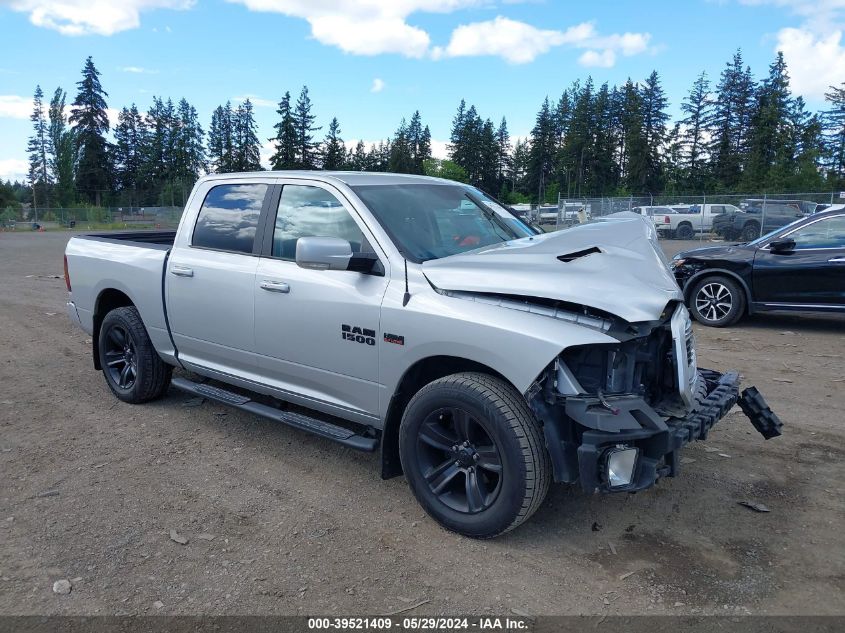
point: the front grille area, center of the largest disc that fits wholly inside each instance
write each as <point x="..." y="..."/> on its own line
<point x="626" y="368"/>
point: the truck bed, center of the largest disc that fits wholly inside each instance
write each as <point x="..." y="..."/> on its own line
<point x="162" y="240"/>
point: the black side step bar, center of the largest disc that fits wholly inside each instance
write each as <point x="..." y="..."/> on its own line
<point x="330" y="431"/>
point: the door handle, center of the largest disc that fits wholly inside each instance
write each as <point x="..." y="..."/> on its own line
<point x="837" y="260"/>
<point x="275" y="286"/>
<point x="181" y="271"/>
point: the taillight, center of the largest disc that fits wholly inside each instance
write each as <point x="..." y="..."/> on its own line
<point x="67" y="275"/>
<point x="666" y="220"/>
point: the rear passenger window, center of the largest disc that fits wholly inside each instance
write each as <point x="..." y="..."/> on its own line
<point x="306" y="211"/>
<point x="228" y="218"/>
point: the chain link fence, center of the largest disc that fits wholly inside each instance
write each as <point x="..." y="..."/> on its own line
<point x="706" y="217"/>
<point x="91" y="218"/>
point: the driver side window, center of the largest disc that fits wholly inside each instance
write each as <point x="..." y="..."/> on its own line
<point x="306" y="211"/>
<point x="827" y="233"/>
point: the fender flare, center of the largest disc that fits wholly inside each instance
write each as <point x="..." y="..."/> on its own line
<point x="707" y="272"/>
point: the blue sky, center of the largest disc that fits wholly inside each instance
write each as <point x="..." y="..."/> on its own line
<point x="371" y="62"/>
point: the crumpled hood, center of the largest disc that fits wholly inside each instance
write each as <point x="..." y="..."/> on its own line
<point x="627" y="277"/>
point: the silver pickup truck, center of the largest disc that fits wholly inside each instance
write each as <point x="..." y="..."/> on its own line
<point x="419" y="316"/>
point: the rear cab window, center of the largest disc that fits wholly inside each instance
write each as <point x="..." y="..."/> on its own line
<point x="228" y="218"/>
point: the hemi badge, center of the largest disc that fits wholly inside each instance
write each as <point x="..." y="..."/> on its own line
<point x="394" y="338"/>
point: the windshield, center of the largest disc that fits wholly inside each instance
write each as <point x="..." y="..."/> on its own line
<point x="433" y="221"/>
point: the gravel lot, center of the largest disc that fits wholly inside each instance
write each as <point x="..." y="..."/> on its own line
<point x="279" y="522"/>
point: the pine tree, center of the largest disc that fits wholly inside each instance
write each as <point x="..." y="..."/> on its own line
<point x="221" y="142"/>
<point x="39" y="174"/>
<point x="834" y="130"/>
<point x="697" y="107"/>
<point x="770" y="150"/>
<point x="306" y="147"/>
<point x="655" y="118"/>
<point x="334" y="151"/>
<point x="189" y="152"/>
<point x="401" y="159"/>
<point x="285" y="139"/>
<point x="91" y="123"/>
<point x="731" y="123"/>
<point x="503" y="153"/>
<point x="633" y="148"/>
<point x="62" y="150"/>
<point x="542" y="152"/>
<point x="246" y="148"/>
<point x="131" y="138"/>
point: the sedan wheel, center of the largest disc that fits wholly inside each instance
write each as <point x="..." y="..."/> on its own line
<point x="717" y="301"/>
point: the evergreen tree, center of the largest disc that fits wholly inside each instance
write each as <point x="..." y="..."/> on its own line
<point x="306" y="147"/>
<point x="130" y="135"/>
<point x="697" y="107"/>
<point x="189" y="151"/>
<point x="503" y="154"/>
<point x="334" y="150"/>
<point x="770" y="147"/>
<point x="62" y="150"/>
<point x="542" y="152"/>
<point x="285" y="139"/>
<point x="834" y="129"/>
<point x="246" y="148"/>
<point x="221" y="140"/>
<point x="91" y="123"/>
<point x="633" y="148"/>
<point x="39" y="175"/>
<point x="730" y="124"/>
<point x="358" y="158"/>
<point x="401" y="158"/>
<point x="655" y="118"/>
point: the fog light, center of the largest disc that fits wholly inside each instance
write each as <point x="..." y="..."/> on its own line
<point x="620" y="465"/>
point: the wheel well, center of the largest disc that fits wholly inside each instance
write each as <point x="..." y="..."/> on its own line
<point x="108" y="300"/>
<point x="415" y="378"/>
<point x="684" y="223"/>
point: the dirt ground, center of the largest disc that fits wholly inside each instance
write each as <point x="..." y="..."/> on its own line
<point x="279" y="522"/>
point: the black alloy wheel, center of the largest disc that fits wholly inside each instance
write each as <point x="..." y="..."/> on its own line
<point x="460" y="460"/>
<point x="121" y="360"/>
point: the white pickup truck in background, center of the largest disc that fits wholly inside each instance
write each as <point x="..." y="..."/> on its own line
<point x="685" y="226"/>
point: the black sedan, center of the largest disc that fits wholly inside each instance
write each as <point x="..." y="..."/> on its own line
<point x="797" y="267"/>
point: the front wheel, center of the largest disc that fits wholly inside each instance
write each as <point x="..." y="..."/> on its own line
<point x="133" y="369"/>
<point x="717" y="301"/>
<point x="474" y="455"/>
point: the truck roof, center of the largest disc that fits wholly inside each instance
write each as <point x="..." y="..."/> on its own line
<point x="351" y="178"/>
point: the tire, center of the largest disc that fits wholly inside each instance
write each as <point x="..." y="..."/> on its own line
<point x="717" y="301"/>
<point x="685" y="232"/>
<point x="132" y="368"/>
<point x="474" y="454"/>
<point x="751" y="231"/>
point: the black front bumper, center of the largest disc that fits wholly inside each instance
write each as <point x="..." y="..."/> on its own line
<point x="629" y="421"/>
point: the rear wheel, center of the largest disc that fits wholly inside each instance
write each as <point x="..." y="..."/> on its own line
<point x="685" y="232"/>
<point x="133" y="370"/>
<point x="750" y="231"/>
<point x="473" y="454"/>
<point x="717" y="301"/>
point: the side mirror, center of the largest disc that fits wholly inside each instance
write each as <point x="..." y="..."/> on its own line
<point x="334" y="253"/>
<point x="786" y="245"/>
<point x="323" y="253"/>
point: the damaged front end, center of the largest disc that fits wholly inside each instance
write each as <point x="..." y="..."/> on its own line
<point x="616" y="416"/>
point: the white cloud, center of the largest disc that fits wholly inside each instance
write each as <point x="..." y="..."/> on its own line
<point x="378" y="85"/>
<point x="819" y="14"/>
<point x="519" y="43"/>
<point x="15" y="107"/>
<point x="13" y="169"/>
<point x="815" y="62"/>
<point x="86" y="17"/>
<point x="256" y="101"/>
<point x="439" y="149"/>
<point x="603" y="59"/>
<point x="138" y="70"/>
<point x="363" y="27"/>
